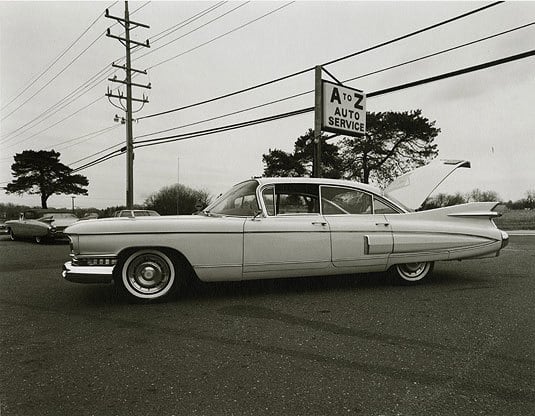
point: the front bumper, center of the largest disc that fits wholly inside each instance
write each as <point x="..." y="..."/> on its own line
<point x="87" y="274"/>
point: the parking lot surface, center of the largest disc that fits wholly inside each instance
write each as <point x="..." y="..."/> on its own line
<point x="462" y="343"/>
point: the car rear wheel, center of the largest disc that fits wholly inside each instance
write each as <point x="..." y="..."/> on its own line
<point x="412" y="273"/>
<point x="148" y="274"/>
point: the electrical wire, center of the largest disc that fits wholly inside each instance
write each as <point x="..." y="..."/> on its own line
<point x="159" y="36"/>
<point x="61" y="104"/>
<point x="98" y="153"/>
<point x="76" y="58"/>
<point x="221" y="36"/>
<point x="86" y="137"/>
<point x="168" y="139"/>
<point x="191" y="31"/>
<point x="56" y="76"/>
<point x="58" y="122"/>
<point x="285" y="77"/>
<point x="457" y="47"/>
<point x="55" y="60"/>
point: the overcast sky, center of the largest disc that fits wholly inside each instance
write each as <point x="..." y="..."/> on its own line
<point x="486" y="117"/>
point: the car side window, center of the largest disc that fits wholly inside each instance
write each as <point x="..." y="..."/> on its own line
<point x="268" y="195"/>
<point x="379" y="207"/>
<point x="339" y="200"/>
<point x="291" y="199"/>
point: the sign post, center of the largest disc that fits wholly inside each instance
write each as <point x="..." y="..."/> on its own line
<point x="316" y="164"/>
<point x="338" y="109"/>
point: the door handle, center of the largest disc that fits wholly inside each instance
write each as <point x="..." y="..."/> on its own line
<point x="386" y="224"/>
<point x="323" y="223"/>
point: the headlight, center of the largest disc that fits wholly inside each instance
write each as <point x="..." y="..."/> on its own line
<point x="74" y="244"/>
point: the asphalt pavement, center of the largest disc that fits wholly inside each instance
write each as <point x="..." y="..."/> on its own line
<point x="460" y="344"/>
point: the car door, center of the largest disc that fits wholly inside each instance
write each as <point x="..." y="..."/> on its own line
<point x="293" y="239"/>
<point x="361" y="236"/>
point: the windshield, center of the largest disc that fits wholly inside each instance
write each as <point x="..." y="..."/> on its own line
<point x="240" y="201"/>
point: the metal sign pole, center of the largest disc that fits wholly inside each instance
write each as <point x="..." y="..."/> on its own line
<point x="316" y="164"/>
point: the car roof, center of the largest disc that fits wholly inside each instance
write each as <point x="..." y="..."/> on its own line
<point x="319" y="181"/>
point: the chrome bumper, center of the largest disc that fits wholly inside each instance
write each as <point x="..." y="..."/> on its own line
<point x="87" y="274"/>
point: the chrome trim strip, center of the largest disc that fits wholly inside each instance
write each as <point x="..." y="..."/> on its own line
<point x="215" y="266"/>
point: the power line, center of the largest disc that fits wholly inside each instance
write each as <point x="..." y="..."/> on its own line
<point x="84" y="86"/>
<point x="457" y="47"/>
<point x="434" y="26"/>
<point x="58" y="122"/>
<point x="222" y="35"/>
<point x="99" y="152"/>
<point x="463" y="71"/>
<point x="56" y="76"/>
<point x="86" y="137"/>
<point x="451" y="74"/>
<point x="60" y="105"/>
<point x="55" y="60"/>
<point x="156" y="38"/>
<point x="168" y="139"/>
<point x="161" y="140"/>
<point x="192" y="31"/>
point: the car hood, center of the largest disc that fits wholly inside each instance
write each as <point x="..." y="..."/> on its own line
<point x="413" y="188"/>
<point x="161" y="224"/>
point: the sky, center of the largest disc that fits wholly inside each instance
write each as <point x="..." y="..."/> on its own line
<point x="486" y="117"/>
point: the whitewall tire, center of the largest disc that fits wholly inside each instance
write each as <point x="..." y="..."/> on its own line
<point x="148" y="274"/>
<point x="412" y="273"/>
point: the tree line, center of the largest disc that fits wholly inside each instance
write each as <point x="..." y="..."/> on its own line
<point x="394" y="143"/>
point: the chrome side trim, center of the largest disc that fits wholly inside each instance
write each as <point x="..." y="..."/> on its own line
<point x="366" y="244"/>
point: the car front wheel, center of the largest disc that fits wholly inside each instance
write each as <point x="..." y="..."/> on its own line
<point x="12" y="235"/>
<point x="148" y="274"/>
<point x="412" y="273"/>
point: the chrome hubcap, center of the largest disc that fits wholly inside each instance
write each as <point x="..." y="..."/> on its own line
<point x="413" y="271"/>
<point x="148" y="274"/>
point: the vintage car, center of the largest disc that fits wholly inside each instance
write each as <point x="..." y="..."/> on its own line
<point x="40" y="225"/>
<point x="287" y="227"/>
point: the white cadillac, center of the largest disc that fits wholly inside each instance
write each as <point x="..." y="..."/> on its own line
<point x="287" y="227"/>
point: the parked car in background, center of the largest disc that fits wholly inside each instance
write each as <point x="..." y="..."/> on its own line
<point x="40" y="225"/>
<point x="132" y="213"/>
<point x="288" y="227"/>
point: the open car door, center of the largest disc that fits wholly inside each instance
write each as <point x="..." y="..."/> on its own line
<point x="413" y="188"/>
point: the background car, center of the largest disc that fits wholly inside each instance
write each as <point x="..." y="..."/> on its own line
<point x="287" y="227"/>
<point x="40" y="225"/>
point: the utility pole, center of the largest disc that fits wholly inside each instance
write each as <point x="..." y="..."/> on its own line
<point x="127" y="42"/>
<point x="316" y="164"/>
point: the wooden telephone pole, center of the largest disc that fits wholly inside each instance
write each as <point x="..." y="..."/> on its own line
<point x="127" y="42"/>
